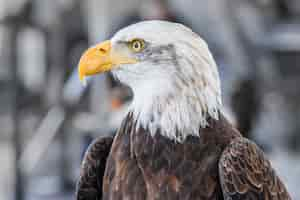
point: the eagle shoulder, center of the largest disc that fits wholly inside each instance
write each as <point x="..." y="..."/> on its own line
<point x="245" y="173"/>
<point x="89" y="185"/>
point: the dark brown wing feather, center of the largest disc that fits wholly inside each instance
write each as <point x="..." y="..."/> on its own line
<point x="89" y="186"/>
<point x="245" y="173"/>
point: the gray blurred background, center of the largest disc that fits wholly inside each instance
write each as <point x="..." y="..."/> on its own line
<point x="47" y="118"/>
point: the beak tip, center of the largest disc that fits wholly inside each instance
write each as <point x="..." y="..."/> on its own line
<point x="82" y="80"/>
<point x="82" y="77"/>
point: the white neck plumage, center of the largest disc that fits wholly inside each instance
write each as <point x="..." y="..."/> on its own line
<point x="175" y="114"/>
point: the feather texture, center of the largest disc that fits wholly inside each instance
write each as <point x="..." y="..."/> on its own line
<point x="89" y="186"/>
<point x="245" y="173"/>
<point x="218" y="165"/>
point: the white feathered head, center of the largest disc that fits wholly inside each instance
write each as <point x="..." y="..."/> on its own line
<point x="171" y="71"/>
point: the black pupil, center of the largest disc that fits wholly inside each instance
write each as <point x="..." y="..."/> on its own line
<point x="136" y="45"/>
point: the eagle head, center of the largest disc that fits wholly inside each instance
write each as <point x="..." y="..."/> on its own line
<point x="170" y="70"/>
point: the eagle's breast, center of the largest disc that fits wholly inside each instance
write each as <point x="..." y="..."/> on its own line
<point x="144" y="167"/>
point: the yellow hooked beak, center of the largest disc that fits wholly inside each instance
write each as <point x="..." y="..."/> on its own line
<point x="100" y="59"/>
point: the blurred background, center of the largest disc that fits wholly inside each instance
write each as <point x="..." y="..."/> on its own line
<point x="47" y="118"/>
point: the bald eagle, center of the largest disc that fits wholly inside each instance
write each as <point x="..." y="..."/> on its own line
<point x="174" y="142"/>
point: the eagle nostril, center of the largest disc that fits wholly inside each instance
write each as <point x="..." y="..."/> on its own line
<point x="102" y="50"/>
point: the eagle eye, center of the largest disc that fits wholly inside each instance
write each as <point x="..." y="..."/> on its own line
<point x="137" y="45"/>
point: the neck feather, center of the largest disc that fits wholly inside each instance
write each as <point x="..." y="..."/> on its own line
<point x="175" y="115"/>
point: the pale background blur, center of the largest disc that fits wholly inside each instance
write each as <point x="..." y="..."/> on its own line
<point x="47" y="118"/>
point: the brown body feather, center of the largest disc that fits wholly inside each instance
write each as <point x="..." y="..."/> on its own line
<point x="90" y="182"/>
<point x="218" y="165"/>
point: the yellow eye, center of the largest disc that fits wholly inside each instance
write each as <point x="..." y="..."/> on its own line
<point x="137" y="45"/>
